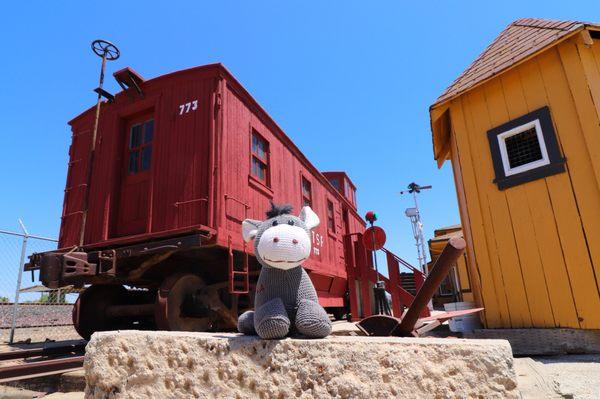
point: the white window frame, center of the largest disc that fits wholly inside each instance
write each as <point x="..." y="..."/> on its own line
<point x="508" y="171"/>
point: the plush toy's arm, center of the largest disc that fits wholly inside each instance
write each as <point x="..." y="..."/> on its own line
<point x="306" y="289"/>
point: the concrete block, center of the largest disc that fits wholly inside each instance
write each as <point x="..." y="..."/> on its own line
<point x="158" y="364"/>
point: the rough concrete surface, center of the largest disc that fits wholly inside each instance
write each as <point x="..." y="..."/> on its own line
<point x="141" y="364"/>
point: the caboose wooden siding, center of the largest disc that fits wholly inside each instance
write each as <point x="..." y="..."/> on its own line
<point x="179" y="170"/>
<point x="533" y="248"/>
<point x="285" y="173"/>
<point x="201" y="173"/>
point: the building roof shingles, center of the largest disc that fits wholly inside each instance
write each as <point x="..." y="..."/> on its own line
<point x="519" y="40"/>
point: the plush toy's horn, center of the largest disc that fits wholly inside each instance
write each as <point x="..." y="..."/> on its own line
<point x="250" y="229"/>
<point x="309" y="217"/>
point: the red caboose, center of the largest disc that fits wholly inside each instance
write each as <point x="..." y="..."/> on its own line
<point x="180" y="160"/>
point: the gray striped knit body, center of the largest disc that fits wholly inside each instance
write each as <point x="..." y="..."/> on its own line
<point x="289" y="305"/>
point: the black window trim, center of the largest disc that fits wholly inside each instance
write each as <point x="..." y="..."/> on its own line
<point x="557" y="162"/>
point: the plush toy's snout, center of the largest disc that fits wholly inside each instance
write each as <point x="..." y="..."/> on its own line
<point x="284" y="246"/>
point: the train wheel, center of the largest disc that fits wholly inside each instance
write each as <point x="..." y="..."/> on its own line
<point x="89" y="311"/>
<point x="175" y="305"/>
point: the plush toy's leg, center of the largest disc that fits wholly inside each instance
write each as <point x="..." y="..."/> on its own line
<point x="271" y="320"/>
<point x="246" y="323"/>
<point x="312" y="320"/>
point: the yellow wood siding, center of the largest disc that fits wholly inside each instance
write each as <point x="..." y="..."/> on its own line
<point x="475" y="283"/>
<point x="534" y="249"/>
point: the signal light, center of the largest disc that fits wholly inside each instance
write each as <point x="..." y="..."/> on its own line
<point x="371" y="217"/>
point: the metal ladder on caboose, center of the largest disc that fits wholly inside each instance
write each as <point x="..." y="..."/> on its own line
<point x="239" y="279"/>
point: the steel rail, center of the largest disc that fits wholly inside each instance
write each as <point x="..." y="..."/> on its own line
<point x="36" y="326"/>
<point x="40" y="368"/>
<point x="45" y="351"/>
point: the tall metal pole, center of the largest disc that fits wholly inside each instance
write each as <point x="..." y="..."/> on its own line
<point x="417" y="226"/>
<point x="107" y="51"/>
<point x="420" y="238"/>
<point x="18" y="288"/>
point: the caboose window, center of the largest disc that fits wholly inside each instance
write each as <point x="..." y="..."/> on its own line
<point x="260" y="158"/>
<point x="306" y="192"/>
<point x="335" y="183"/>
<point x="525" y="149"/>
<point x="330" y="217"/>
<point x="140" y="146"/>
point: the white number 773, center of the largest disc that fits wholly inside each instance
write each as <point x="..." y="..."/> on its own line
<point x="185" y="108"/>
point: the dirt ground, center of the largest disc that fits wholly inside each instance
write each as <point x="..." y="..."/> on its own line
<point x="568" y="376"/>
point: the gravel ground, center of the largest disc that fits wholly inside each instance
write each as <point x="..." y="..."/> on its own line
<point x="36" y="315"/>
<point x="38" y="322"/>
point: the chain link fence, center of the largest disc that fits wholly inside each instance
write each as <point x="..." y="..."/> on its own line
<point x="30" y="312"/>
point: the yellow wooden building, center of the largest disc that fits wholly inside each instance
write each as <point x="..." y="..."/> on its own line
<point x="457" y="286"/>
<point x="521" y="126"/>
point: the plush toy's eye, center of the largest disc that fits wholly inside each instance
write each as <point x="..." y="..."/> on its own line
<point x="291" y="222"/>
<point x="275" y="223"/>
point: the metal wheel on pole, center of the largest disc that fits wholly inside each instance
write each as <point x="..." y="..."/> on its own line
<point x="108" y="52"/>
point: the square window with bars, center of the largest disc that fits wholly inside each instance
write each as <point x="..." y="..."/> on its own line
<point x="523" y="148"/>
<point x="260" y="158"/>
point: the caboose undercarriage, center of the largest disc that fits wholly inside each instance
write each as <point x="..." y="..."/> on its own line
<point x="176" y="283"/>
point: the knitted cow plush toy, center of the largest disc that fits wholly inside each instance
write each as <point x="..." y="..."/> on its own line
<point x="285" y="300"/>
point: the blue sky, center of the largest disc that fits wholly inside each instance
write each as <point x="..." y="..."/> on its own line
<point x="350" y="82"/>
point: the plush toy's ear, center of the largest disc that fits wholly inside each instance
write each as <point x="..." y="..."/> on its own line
<point x="309" y="217"/>
<point x="250" y="229"/>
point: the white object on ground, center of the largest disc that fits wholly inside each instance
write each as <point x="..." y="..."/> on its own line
<point x="469" y="322"/>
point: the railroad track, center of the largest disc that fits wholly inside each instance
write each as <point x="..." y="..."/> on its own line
<point x="39" y="362"/>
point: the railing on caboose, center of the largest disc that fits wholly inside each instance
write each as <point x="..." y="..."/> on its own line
<point x="362" y="277"/>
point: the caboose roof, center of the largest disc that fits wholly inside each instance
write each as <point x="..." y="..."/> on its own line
<point x="518" y="42"/>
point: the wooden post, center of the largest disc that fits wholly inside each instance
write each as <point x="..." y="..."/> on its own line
<point x="453" y="249"/>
